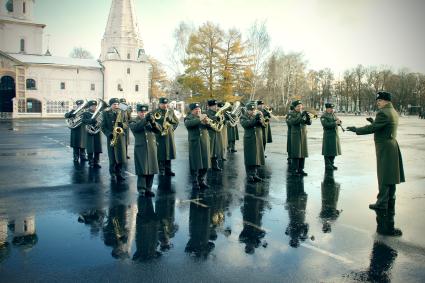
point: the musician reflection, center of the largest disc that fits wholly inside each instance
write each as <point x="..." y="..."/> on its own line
<point x="119" y="229"/>
<point x="330" y="194"/>
<point x="252" y="211"/>
<point x="296" y="203"/>
<point x="199" y="243"/>
<point x="78" y="132"/>
<point x="165" y="210"/>
<point x="146" y="231"/>
<point x="93" y="138"/>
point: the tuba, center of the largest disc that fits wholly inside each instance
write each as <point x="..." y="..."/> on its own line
<point x="213" y="124"/>
<point x="220" y="113"/>
<point x="76" y="121"/>
<point x="94" y="129"/>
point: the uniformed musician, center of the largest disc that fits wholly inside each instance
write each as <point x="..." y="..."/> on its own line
<point x="330" y="146"/>
<point x="78" y="136"/>
<point x="94" y="141"/>
<point x="253" y="123"/>
<point x="199" y="145"/>
<point x="165" y="139"/>
<point x="113" y="126"/>
<point x="144" y="128"/>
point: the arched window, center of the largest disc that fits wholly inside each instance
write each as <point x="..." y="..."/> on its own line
<point x="33" y="105"/>
<point x="137" y="88"/>
<point x="128" y="56"/>
<point x="22" y="45"/>
<point x="9" y="6"/>
<point x="24" y="6"/>
<point x="31" y="84"/>
<point x="128" y="70"/>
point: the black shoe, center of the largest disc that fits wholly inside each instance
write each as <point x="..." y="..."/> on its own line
<point x="97" y="166"/>
<point x="120" y="177"/>
<point x="376" y="207"/>
<point x="128" y="157"/>
<point x="203" y="185"/>
<point x="234" y="150"/>
<point x="170" y="173"/>
<point x="149" y="194"/>
<point x="334" y="167"/>
<point x="223" y="159"/>
<point x="395" y="233"/>
<point x="83" y="158"/>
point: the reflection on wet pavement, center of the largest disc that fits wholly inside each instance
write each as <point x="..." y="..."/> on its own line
<point x="73" y="223"/>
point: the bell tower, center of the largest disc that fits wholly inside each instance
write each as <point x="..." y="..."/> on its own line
<point x="123" y="56"/>
<point x="17" y="9"/>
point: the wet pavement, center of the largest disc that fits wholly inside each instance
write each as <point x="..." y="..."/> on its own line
<point x="67" y="223"/>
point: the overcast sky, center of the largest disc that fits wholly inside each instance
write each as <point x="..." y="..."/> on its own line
<point x="339" y="34"/>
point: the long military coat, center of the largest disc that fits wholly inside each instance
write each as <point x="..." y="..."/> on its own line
<point x="166" y="143"/>
<point x="388" y="156"/>
<point x="267" y="131"/>
<point x="222" y="139"/>
<point x="199" y="143"/>
<point x="298" y="135"/>
<point x="252" y="141"/>
<point x="330" y="145"/>
<point x="215" y="142"/>
<point x="145" y="148"/>
<point x="118" y="153"/>
<point x="232" y="133"/>
<point x="78" y="135"/>
<point x="93" y="142"/>
<point x="288" y="138"/>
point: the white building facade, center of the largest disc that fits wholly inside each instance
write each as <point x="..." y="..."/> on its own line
<point x="33" y="84"/>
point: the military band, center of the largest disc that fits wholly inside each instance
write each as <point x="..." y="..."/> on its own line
<point x="168" y="120"/>
<point x="210" y="134"/>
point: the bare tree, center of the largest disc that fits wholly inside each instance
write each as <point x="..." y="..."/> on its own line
<point x="81" y="53"/>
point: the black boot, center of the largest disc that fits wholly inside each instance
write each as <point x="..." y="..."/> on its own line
<point x="76" y="154"/>
<point x="91" y="160"/>
<point x="83" y="155"/>
<point x="195" y="183"/>
<point x="118" y="171"/>
<point x="97" y="160"/>
<point x="168" y="170"/>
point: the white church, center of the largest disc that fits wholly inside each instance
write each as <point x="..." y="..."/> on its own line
<point x="33" y="83"/>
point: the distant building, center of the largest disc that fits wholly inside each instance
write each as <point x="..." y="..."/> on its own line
<point x="35" y="84"/>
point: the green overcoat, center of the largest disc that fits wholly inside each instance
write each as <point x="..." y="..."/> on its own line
<point x="78" y="135"/>
<point x="93" y="142"/>
<point x="199" y="143"/>
<point x="166" y="143"/>
<point x="232" y="133"/>
<point x="330" y="145"/>
<point x="388" y="156"/>
<point x="298" y="135"/>
<point x="253" y="141"/>
<point x="267" y="131"/>
<point x="145" y="155"/>
<point x="215" y="141"/>
<point x="117" y="153"/>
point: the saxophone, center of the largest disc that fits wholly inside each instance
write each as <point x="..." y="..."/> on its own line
<point x="165" y="124"/>
<point x="118" y="131"/>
